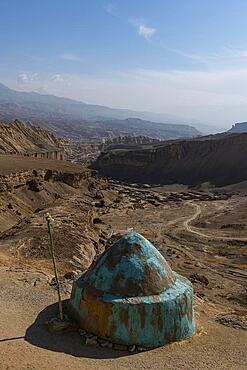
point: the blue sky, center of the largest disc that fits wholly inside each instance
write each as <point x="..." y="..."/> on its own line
<point x="183" y="57"/>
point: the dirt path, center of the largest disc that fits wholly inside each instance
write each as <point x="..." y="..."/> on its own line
<point x="192" y="229"/>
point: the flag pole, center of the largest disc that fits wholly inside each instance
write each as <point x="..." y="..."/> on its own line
<point x="49" y="220"/>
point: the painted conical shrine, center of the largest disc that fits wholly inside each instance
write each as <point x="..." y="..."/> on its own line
<point x="131" y="296"/>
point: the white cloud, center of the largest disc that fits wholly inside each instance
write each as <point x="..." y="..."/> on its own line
<point x="146" y="32"/>
<point x="225" y="57"/>
<point x="25" y="78"/>
<point x="22" y="78"/>
<point x="188" y="55"/>
<point x="243" y="53"/>
<point x="71" y="57"/>
<point x="233" y="52"/>
<point x="57" y="78"/>
<point x="142" y="29"/>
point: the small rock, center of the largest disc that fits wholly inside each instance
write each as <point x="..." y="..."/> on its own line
<point x="234" y="319"/>
<point x="141" y="349"/>
<point x="90" y="336"/>
<point x="132" y="348"/>
<point x="199" y="278"/>
<point x="58" y="326"/>
<point x="198" y="264"/>
<point x="106" y="344"/>
<point x="70" y="275"/>
<point x="34" y="185"/>
<point x="97" y="220"/>
<point x="120" y="347"/>
<point x="200" y="294"/>
<point x="102" y="241"/>
<point x="53" y="282"/>
<point x="101" y="340"/>
<point x="82" y="332"/>
<point x="91" y="341"/>
<point x="100" y="204"/>
<point x="37" y="210"/>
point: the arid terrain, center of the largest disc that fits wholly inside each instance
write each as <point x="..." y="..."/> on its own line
<point x="202" y="233"/>
<point x="123" y="185"/>
<point x="218" y="159"/>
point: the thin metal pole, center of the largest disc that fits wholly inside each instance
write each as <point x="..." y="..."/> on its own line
<point x="52" y="251"/>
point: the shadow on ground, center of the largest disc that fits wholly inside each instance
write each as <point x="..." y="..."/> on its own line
<point x="70" y="343"/>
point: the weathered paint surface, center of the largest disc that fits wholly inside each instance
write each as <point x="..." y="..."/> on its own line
<point x="131" y="296"/>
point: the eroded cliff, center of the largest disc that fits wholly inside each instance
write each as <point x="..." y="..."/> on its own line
<point x="219" y="159"/>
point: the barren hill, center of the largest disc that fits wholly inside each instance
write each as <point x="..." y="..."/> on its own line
<point x="22" y="138"/>
<point x="219" y="159"/>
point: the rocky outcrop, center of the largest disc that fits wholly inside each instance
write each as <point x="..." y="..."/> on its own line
<point x="71" y="198"/>
<point x="25" y="139"/>
<point x="219" y="159"/>
<point x="239" y="128"/>
<point x="33" y="177"/>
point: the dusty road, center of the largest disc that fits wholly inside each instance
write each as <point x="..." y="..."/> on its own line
<point x="192" y="229"/>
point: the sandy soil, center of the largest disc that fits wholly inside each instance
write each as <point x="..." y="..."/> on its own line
<point x="25" y="344"/>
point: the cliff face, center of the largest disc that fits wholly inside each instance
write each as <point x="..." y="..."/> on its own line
<point x="219" y="159"/>
<point x="21" y="138"/>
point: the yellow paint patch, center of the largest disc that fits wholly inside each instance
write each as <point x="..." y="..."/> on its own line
<point x="98" y="314"/>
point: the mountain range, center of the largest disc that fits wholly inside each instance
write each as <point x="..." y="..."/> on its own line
<point x="78" y="120"/>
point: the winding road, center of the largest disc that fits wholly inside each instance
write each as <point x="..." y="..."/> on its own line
<point x="192" y="229"/>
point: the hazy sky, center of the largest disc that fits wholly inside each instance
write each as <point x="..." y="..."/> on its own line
<point x="183" y="57"/>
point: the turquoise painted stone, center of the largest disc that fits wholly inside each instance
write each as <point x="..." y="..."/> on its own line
<point x="131" y="296"/>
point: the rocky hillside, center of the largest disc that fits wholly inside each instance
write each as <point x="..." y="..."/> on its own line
<point x="28" y="189"/>
<point x="138" y="127"/>
<point x="22" y="138"/>
<point x="219" y="159"/>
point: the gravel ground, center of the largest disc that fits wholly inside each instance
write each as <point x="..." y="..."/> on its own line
<point x="25" y="344"/>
